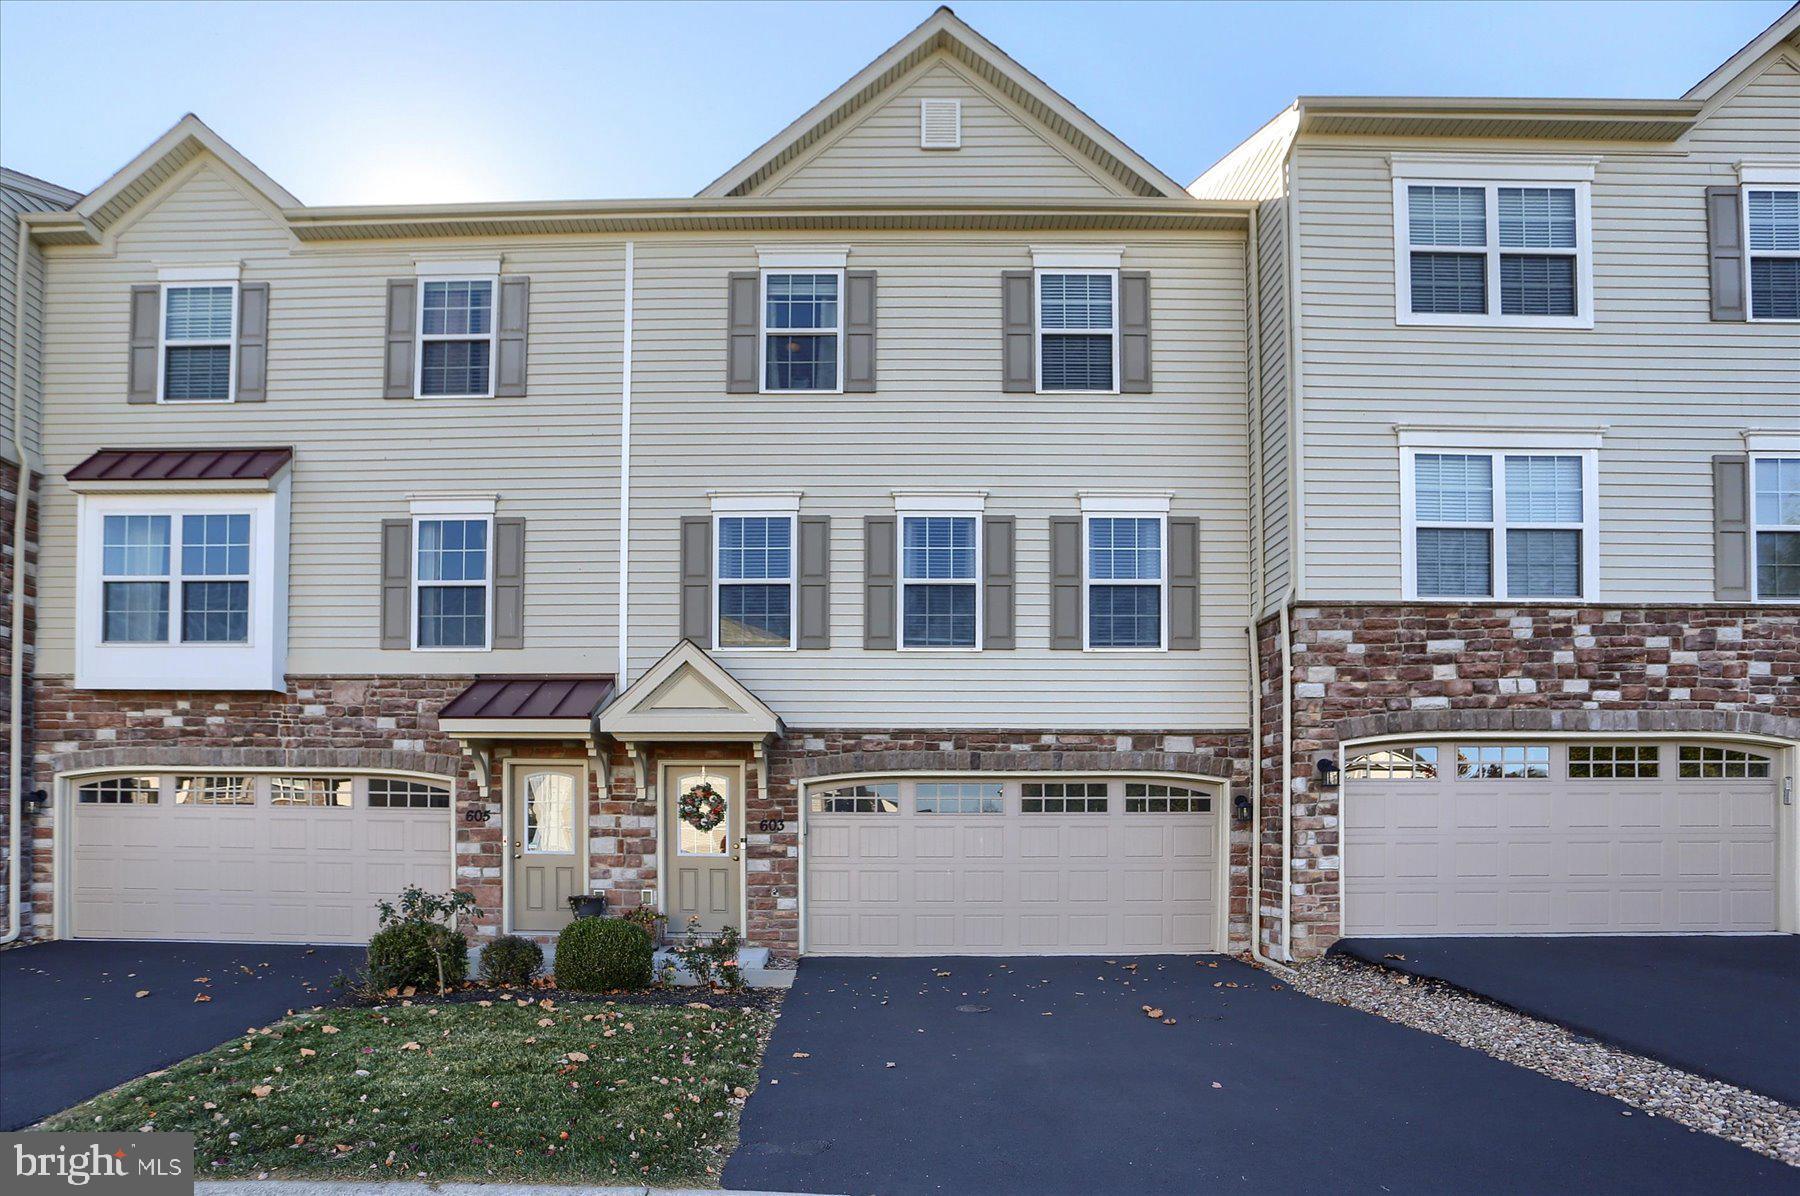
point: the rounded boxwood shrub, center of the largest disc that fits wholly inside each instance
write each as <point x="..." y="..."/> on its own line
<point x="511" y="959"/>
<point x="408" y="954"/>
<point x="597" y="954"/>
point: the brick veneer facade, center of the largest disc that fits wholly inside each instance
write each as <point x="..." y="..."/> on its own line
<point x="1373" y="669"/>
<point x="390" y="722"/>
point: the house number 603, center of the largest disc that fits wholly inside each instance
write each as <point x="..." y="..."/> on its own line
<point x="771" y="826"/>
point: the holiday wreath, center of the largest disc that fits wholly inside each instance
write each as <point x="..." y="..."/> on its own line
<point x="702" y="807"/>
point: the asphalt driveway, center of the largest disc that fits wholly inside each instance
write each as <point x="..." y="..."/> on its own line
<point x="1045" y="1075"/>
<point x="72" y="1024"/>
<point x="1725" y="1007"/>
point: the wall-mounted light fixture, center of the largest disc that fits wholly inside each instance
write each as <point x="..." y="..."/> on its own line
<point x="1327" y="769"/>
<point x="1240" y="806"/>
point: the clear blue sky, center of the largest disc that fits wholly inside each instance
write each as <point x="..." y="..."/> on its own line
<point x="449" y="102"/>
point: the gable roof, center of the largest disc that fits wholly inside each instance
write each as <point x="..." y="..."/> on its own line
<point x="1786" y="27"/>
<point x="186" y="140"/>
<point x="944" y="32"/>
<point x="687" y="695"/>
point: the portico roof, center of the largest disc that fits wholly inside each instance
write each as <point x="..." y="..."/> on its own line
<point x="687" y="696"/>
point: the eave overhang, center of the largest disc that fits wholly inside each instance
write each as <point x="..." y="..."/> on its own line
<point x="1534" y="119"/>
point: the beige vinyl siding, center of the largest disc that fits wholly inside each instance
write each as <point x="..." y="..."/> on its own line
<point x="1670" y="386"/>
<point x="1005" y="153"/>
<point x="939" y="419"/>
<point x="13" y="202"/>
<point x="1275" y="464"/>
<point x="551" y="458"/>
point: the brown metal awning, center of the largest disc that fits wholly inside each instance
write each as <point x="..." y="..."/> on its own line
<point x="201" y="468"/>
<point x="551" y="704"/>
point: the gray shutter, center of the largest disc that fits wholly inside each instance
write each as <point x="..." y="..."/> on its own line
<point x="1065" y="584"/>
<point x="859" y="331"/>
<point x="509" y="583"/>
<point x="253" y="342"/>
<point x="515" y="316"/>
<point x="1134" y="332"/>
<point x="396" y="583"/>
<point x="402" y="337"/>
<point x="997" y="557"/>
<point x="880" y="590"/>
<point x="1731" y="527"/>
<point x="1725" y="251"/>
<point x="146" y="312"/>
<point x="1018" y="333"/>
<point x="814" y="583"/>
<point x="1184" y="584"/>
<point x="743" y="329"/>
<point x="696" y="579"/>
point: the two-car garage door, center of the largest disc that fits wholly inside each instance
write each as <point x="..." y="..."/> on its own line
<point x="248" y="857"/>
<point x="1448" y="838"/>
<point x="984" y="867"/>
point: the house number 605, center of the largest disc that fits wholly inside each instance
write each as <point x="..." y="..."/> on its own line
<point x="477" y="814"/>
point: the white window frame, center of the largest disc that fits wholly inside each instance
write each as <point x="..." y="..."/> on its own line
<point x="837" y="270"/>
<point x="1757" y="526"/>
<point x="177" y="542"/>
<point x="1497" y="451"/>
<point x="1156" y="508"/>
<point x="257" y="662"/>
<point x="452" y="513"/>
<point x="926" y="506"/>
<point x="492" y="337"/>
<point x="1039" y="333"/>
<point x="171" y="282"/>
<point x="722" y="513"/>
<point x="177" y="580"/>
<point x="1491" y="179"/>
<point x="1754" y="179"/>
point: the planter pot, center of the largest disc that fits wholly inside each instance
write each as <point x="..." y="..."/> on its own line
<point x="592" y="905"/>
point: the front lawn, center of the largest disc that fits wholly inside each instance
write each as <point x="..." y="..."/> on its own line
<point x="596" y="1093"/>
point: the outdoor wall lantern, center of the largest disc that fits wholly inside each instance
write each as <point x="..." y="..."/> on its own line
<point x="1328" y="772"/>
<point x="1240" y="806"/>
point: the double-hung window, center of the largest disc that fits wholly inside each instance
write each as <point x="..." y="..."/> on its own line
<point x="1775" y="507"/>
<point x="456" y="337"/>
<point x="1078" y="330"/>
<point x="802" y="330"/>
<point x="755" y="581"/>
<point x="1501" y="253"/>
<point x="1772" y="216"/>
<point x="452" y="582"/>
<point x="1484" y="524"/>
<point x="1126" y="576"/>
<point x="939" y="586"/>
<point x="142" y="570"/>
<point x="199" y="331"/>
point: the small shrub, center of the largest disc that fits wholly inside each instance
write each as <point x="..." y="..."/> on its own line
<point x="647" y="916"/>
<point x="711" y="961"/>
<point x="511" y="960"/>
<point x="598" y="954"/>
<point x="418" y="955"/>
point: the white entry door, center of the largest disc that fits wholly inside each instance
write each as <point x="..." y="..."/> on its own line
<point x="981" y="867"/>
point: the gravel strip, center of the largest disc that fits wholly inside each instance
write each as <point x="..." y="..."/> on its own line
<point x="1757" y="1122"/>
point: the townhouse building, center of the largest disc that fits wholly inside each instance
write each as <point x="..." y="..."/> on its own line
<point x="943" y="534"/>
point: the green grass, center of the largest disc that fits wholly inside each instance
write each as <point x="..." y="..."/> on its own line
<point x="459" y="1091"/>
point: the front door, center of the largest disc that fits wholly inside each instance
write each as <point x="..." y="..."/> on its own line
<point x="702" y="864"/>
<point x="546" y="836"/>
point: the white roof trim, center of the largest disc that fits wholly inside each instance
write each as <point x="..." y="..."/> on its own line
<point x="188" y="127"/>
<point x="1784" y="27"/>
<point x="948" y="24"/>
<point x="42" y="188"/>
<point x="623" y="719"/>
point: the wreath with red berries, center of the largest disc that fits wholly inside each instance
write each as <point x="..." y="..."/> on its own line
<point x="701" y="807"/>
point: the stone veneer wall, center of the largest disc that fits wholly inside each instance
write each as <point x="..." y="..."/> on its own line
<point x="1408" y="668"/>
<point x="9" y="489"/>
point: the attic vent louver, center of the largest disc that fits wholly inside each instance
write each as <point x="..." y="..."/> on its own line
<point x="940" y="124"/>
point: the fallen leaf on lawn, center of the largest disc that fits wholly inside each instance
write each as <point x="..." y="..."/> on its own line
<point x="564" y="1135"/>
<point x="740" y="1093"/>
<point x="802" y="1055"/>
<point x="493" y="1104"/>
<point x="485" y="1004"/>
<point x="544" y="1021"/>
<point x="305" y="1051"/>
<point x="299" y="1139"/>
<point x="143" y="992"/>
<point x="328" y="1029"/>
<point x="201" y="997"/>
<point x="209" y="1105"/>
<point x="261" y="1090"/>
<point x="578" y="1057"/>
<point x="1152" y="1012"/>
<point x="408" y="991"/>
<point x="531" y="1041"/>
<point x="409" y="1046"/>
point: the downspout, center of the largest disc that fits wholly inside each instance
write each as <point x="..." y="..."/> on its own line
<point x="1296" y="533"/>
<point x="15" y="796"/>
<point x="625" y="471"/>
<point x="1254" y="589"/>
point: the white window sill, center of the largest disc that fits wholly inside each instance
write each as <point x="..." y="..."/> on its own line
<point x="1430" y="320"/>
<point x="778" y="393"/>
<point x="1079" y="392"/>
